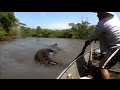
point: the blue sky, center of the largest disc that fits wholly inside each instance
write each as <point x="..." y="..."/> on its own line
<point x="56" y="20"/>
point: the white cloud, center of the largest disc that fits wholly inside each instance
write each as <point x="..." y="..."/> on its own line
<point x="57" y="26"/>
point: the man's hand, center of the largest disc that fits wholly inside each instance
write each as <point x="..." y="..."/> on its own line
<point x="86" y="44"/>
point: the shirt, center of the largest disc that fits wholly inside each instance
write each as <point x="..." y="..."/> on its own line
<point x="107" y="32"/>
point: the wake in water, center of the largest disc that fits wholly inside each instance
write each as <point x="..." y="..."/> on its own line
<point x="55" y="47"/>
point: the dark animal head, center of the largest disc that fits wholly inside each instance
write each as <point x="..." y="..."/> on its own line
<point x="52" y="51"/>
<point x="56" y="44"/>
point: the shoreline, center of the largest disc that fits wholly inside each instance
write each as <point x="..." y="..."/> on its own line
<point x="7" y="40"/>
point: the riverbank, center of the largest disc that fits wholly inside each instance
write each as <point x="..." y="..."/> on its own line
<point x="6" y="39"/>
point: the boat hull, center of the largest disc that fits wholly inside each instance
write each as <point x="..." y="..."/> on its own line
<point x="79" y="68"/>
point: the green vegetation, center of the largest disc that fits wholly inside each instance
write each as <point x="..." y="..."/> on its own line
<point x="11" y="27"/>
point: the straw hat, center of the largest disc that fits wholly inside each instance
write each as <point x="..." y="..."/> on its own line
<point x="112" y="13"/>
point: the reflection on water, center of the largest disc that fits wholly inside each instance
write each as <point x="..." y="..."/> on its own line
<point x="17" y="57"/>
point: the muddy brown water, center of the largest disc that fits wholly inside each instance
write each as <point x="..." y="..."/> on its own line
<point x="17" y="57"/>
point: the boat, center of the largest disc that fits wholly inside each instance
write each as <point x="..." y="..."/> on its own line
<point x="83" y="65"/>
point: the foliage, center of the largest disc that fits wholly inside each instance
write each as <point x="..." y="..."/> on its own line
<point x="7" y="20"/>
<point x="10" y="26"/>
<point x="79" y="31"/>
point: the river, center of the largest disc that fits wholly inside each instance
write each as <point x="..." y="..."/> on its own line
<point x="17" y="57"/>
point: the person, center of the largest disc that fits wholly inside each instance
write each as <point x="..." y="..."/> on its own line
<point x="108" y="34"/>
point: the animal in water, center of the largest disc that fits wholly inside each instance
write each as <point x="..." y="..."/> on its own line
<point x="42" y="56"/>
<point x="55" y="47"/>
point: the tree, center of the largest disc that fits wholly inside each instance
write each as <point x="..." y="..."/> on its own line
<point x="81" y="30"/>
<point x="7" y="20"/>
<point x="38" y="28"/>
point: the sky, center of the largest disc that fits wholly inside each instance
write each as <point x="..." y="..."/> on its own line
<point x="56" y="20"/>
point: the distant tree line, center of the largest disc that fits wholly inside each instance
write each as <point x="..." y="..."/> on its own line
<point x="11" y="27"/>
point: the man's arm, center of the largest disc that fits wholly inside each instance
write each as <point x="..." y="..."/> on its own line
<point x="98" y="32"/>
